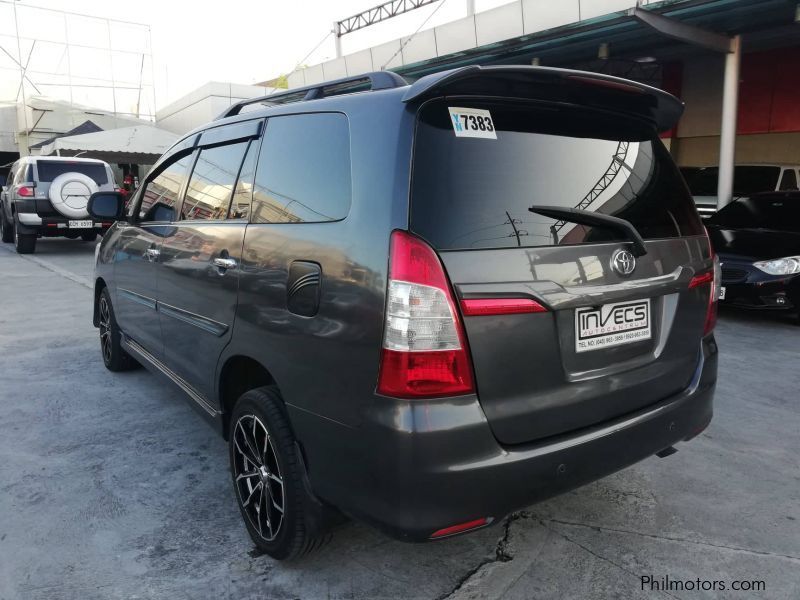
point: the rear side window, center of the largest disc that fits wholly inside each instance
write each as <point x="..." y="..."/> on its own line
<point x="212" y="182"/>
<point x="754" y="179"/>
<point x="50" y="169"/>
<point x="303" y="173"/>
<point x="789" y="180"/>
<point x="474" y="192"/>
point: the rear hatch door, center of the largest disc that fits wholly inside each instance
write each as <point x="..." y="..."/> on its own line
<point x="620" y="332"/>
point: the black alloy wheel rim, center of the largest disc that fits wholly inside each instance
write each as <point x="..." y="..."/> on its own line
<point x="105" y="330"/>
<point x="257" y="477"/>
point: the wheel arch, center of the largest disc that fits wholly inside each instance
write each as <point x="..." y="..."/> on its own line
<point x="239" y="374"/>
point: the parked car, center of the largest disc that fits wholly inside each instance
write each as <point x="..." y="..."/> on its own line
<point x="46" y="196"/>
<point x="423" y="306"/>
<point x="758" y="243"/>
<point x="747" y="180"/>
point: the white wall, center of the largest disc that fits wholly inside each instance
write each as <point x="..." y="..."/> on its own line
<point x="203" y="105"/>
<point x="510" y="20"/>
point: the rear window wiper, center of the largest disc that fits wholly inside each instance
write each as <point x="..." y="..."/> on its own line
<point x="593" y="219"/>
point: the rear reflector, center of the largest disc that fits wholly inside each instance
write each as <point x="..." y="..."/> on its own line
<point x="469" y="525"/>
<point x="424" y="351"/>
<point x="476" y="307"/>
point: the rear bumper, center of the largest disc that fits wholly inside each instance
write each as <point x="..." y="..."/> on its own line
<point x="32" y="223"/>
<point x="413" y="468"/>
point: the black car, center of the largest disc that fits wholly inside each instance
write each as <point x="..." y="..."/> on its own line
<point x="757" y="240"/>
<point x="424" y="305"/>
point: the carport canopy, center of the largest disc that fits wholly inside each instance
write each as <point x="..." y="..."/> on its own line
<point x="140" y="144"/>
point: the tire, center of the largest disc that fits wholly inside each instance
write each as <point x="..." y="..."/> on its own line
<point x="272" y="450"/>
<point x="69" y="194"/>
<point x="6" y="228"/>
<point x="89" y="237"/>
<point x="115" y="358"/>
<point x="25" y="243"/>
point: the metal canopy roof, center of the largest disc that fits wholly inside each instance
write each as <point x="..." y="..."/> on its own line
<point x="141" y="144"/>
<point x="763" y="22"/>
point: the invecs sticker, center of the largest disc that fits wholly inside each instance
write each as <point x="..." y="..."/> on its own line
<point x="472" y="122"/>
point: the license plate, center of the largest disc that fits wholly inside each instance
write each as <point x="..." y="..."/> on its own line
<point x="612" y="325"/>
<point x="81" y="224"/>
<point x="722" y="293"/>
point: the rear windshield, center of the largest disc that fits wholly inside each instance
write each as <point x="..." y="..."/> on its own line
<point x="50" y="169"/>
<point x="702" y="181"/>
<point x="778" y="213"/>
<point x="474" y="192"/>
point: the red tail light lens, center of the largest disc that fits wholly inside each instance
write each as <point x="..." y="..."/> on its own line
<point x="424" y="351"/>
<point x="713" y="278"/>
<point x="25" y="191"/>
<point x="476" y="307"/>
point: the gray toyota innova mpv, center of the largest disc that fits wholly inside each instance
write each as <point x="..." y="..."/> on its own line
<point x="423" y="306"/>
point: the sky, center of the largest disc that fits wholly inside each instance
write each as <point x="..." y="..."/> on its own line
<point x="239" y="41"/>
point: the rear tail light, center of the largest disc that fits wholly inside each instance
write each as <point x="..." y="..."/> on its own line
<point x="26" y="191"/>
<point x="424" y="352"/>
<point x="712" y="278"/>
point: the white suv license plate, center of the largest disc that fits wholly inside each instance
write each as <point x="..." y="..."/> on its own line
<point x="612" y="325"/>
<point x="81" y="224"/>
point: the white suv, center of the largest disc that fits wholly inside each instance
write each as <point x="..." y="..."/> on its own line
<point x="46" y="196"/>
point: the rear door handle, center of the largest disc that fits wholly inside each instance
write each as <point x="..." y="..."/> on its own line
<point x="224" y="263"/>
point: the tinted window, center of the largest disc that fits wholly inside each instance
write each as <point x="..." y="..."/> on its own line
<point x="50" y="169"/>
<point x="751" y="180"/>
<point x="211" y="185"/>
<point x="240" y="206"/>
<point x="161" y="194"/>
<point x="303" y="170"/>
<point x="779" y="213"/>
<point x="475" y="192"/>
<point x="789" y="180"/>
<point x="702" y="181"/>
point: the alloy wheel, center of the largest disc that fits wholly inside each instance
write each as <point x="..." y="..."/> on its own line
<point x="257" y="476"/>
<point x="105" y="329"/>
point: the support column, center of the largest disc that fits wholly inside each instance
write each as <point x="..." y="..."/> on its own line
<point x="337" y="39"/>
<point x="727" y="138"/>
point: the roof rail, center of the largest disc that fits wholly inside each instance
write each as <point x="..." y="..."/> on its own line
<point x="377" y="80"/>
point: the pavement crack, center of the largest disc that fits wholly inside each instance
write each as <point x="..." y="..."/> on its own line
<point x="502" y="554"/>
<point x="678" y="540"/>
<point x="605" y="559"/>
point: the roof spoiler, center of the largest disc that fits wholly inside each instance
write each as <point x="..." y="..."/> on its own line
<point x="660" y="109"/>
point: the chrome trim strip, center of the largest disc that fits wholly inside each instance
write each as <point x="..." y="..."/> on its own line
<point x="138" y="298"/>
<point x="204" y="323"/>
<point x="632" y="284"/>
<point x="134" y="347"/>
<point x="29" y="218"/>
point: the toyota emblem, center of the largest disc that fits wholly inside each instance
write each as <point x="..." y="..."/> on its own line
<point x="623" y="262"/>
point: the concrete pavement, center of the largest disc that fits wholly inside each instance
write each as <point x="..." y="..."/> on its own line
<point x="111" y="486"/>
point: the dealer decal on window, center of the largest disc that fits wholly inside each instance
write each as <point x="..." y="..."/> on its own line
<point x="472" y="122"/>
